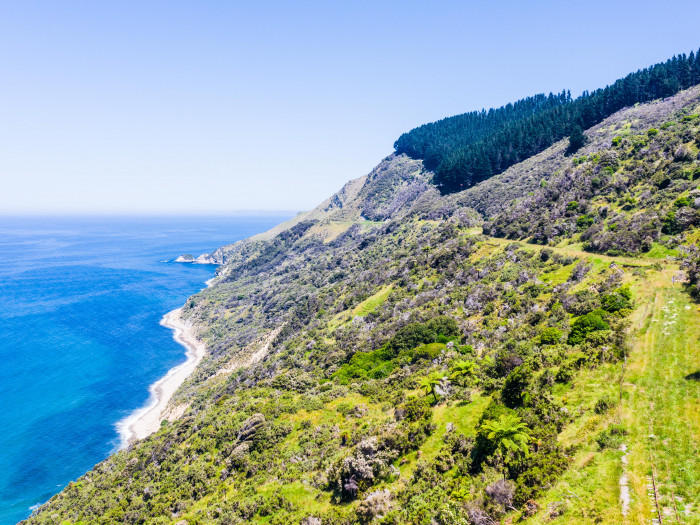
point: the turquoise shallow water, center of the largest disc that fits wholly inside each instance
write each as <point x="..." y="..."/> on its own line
<point x="80" y="340"/>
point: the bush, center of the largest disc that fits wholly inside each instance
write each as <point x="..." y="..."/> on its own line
<point x="465" y="349"/>
<point x="683" y="154"/>
<point x="611" y="437"/>
<point x="516" y="384"/>
<point x="414" y="409"/>
<point x="682" y="201"/>
<point x="584" y="221"/>
<point x="409" y="337"/>
<point x="429" y="352"/>
<point x="444" y="326"/>
<point x="416" y="334"/>
<point x="670" y="224"/>
<point x="565" y="373"/>
<point x="584" y="325"/>
<point x="616" y="300"/>
<point x="541" y="471"/>
<point x="550" y="336"/>
<point x="374" y="365"/>
<point x="604" y="404"/>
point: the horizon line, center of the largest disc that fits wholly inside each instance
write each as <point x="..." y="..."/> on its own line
<point x="232" y="213"/>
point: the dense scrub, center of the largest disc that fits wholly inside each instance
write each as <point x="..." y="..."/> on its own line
<point x="392" y="393"/>
<point x="622" y="199"/>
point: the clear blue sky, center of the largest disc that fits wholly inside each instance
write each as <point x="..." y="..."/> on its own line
<point x="185" y="107"/>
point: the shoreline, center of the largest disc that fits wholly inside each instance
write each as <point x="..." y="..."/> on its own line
<point x="147" y="420"/>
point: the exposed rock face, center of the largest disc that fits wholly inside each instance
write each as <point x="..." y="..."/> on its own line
<point x="205" y="258"/>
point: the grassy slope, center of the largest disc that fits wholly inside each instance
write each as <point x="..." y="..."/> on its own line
<point x="662" y="406"/>
<point x="661" y="356"/>
<point x="590" y="489"/>
<point x="656" y="399"/>
<point x="659" y="410"/>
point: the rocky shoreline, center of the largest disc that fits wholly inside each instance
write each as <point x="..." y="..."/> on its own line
<point x="205" y="258"/>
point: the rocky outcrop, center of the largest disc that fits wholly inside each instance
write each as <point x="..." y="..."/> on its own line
<point x="205" y="258"/>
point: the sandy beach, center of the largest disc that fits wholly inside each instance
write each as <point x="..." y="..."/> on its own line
<point x="146" y="420"/>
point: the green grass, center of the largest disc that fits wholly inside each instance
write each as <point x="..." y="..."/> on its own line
<point x="370" y="304"/>
<point x="304" y="498"/>
<point x="364" y="308"/>
<point x="558" y="276"/>
<point x="588" y="490"/>
<point x="664" y="402"/>
<point x="658" y="251"/>
<point x="660" y="411"/>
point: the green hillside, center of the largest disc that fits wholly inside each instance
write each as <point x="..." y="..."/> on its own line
<point x="525" y="350"/>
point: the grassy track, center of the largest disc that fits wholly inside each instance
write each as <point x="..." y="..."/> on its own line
<point x="662" y="406"/>
<point x="660" y="410"/>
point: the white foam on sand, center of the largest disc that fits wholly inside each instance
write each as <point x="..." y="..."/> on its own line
<point x="147" y="419"/>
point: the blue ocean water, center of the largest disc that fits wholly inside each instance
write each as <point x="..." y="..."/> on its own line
<point x="80" y="339"/>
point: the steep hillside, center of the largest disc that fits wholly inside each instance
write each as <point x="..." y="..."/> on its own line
<point x="625" y="194"/>
<point x="470" y="148"/>
<point x="381" y="359"/>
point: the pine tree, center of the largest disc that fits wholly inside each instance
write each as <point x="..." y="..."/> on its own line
<point x="466" y="149"/>
<point x="577" y="140"/>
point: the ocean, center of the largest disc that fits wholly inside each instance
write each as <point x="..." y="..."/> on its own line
<point x="80" y="339"/>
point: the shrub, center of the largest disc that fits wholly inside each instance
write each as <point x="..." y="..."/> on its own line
<point x="670" y="224"/>
<point x="375" y="365"/>
<point x="682" y="201"/>
<point x="604" y="404"/>
<point x="444" y="326"/>
<point x="465" y="349"/>
<point x="416" y="334"/>
<point x="616" y="300"/>
<point x="430" y="351"/>
<point x="584" y="221"/>
<point x="375" y="505"/>
<point x="683" y="154"/>
<point x="414" y="409"/>
<point x="565" y="373"/>
<point x="409" y="337"/>
<point x="611" y="437"/>
<point x="270" y="434"/>
<point x="584" y="325"/>
<point x="514" y="389"/>
<point x="541" y="470"/>
<point x="550" y="336"/>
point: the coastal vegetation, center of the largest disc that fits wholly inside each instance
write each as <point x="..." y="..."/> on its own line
<point x="403" y="355"/>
